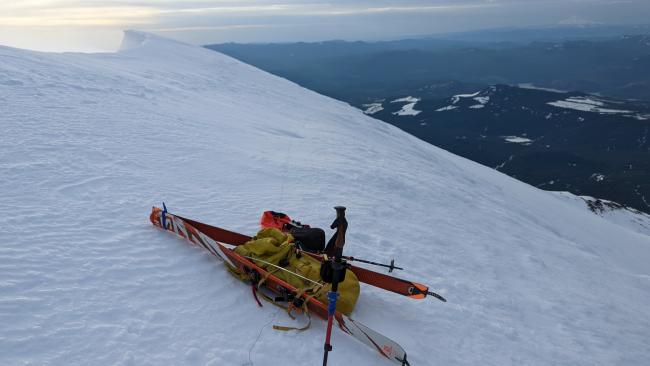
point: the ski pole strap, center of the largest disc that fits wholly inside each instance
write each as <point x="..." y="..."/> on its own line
<point x="163" y="218"/>
<point x="254" y="289"/>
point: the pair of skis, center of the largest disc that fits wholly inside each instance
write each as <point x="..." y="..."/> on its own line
<point x="211" y="238"/>
<point x="399" y="286"/>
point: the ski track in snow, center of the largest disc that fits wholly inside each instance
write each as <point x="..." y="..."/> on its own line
<point x="91" y="141"/>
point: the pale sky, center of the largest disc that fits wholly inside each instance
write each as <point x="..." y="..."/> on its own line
<point x="97" y="25"/>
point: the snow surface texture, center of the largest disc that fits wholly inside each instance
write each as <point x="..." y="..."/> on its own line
<point x="91" y="141"/>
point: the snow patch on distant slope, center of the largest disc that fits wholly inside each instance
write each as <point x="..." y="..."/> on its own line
<point x="640" y="117"/>
<point x="598" y="177"/>
<point x="372" y="108"/>
<point x="518" y="140"/>
<point x="586" y="105"/>
<point x="407" y="109"/>
<point x="456" y="98"/>
<point x="482" y="102"/>
<point x="447" y="108"/>
<point x="408" y="99"/>
<point x="535" y="87"/>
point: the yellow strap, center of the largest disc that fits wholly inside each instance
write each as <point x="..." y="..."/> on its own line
<point x="304" y="309"/>
<point x="286" y="329"/>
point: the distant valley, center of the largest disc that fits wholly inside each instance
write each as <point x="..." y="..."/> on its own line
<point x="574" y="142"/>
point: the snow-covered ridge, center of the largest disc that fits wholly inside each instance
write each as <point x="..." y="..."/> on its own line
<point x="91" y="141"/>
<point x="620" y="215"/>
<point x="133" y="39"/>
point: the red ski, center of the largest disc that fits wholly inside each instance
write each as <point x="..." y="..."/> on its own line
<point x="407" y="288"/>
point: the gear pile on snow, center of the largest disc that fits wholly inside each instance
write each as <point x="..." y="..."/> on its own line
<point x="273" y="250"/>
<point x="272" y="262"/>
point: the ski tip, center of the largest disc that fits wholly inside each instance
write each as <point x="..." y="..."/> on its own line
<point x="436" y="296"/>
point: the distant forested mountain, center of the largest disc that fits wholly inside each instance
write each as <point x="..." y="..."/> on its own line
<point x="618" y="67"/>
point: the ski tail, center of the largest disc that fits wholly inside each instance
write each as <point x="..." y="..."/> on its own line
<point x="178" y="226"/>
<point x="375" y="340"/>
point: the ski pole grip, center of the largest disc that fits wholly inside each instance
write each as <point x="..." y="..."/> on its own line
<point x="342" y="226"/>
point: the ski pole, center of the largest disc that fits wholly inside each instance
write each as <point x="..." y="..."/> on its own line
<point x="333" y="271"/>
<point x="390" y="266"/>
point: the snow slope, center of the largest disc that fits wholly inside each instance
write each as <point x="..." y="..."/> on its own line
<point x="91" y="141"/>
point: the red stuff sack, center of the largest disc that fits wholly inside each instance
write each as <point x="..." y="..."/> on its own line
<point x="279" y="220"/>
